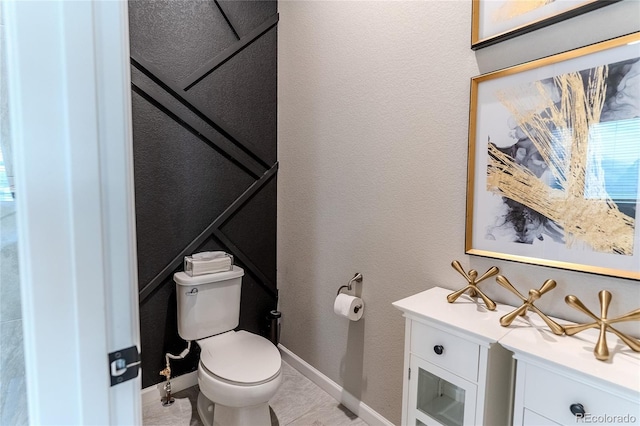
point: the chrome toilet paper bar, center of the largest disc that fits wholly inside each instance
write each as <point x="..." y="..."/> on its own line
<point x="348" y="305"/>
<point x="357" y="278"/>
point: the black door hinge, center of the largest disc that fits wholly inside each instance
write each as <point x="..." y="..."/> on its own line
<point x="124" y="365"/>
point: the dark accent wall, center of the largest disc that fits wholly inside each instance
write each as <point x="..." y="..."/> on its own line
<point x="204" y="77"/>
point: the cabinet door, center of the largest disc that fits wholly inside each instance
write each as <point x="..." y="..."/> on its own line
<point x="438" y="397"/>
<point x="534" y="419"/>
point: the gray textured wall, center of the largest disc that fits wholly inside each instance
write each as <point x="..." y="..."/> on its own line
<point x="373" y="118"/>
<point x="204" y="122"/>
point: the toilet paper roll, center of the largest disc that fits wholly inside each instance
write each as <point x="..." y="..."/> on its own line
<point x="347" y="306"/>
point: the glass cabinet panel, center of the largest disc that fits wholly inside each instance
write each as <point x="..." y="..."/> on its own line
<point x="438" y="397"/>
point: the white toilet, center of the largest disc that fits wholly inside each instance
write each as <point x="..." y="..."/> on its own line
<point x="238" y="371"/>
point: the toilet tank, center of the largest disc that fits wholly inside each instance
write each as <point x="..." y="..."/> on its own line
<point x="208" y="304"/>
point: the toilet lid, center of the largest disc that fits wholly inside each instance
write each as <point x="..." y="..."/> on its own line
<point x="240" y="357"/>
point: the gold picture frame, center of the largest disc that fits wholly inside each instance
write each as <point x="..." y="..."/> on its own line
<point x="493" y="21"/>
<point x="554" y="161"/>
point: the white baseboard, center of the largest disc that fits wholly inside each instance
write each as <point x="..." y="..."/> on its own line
<point x="358" y="407"/>
<point x="155" y="392"/>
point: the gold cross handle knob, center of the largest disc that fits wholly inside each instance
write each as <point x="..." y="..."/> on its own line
<point x="528" y="304"/>
<point x="546" y="287"/>
<point x="603" y="323"/>
<point x="472" y="284"/>
<point x="504" y="282"/>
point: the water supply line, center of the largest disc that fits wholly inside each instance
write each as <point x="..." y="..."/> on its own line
<point x="167" y="399"/>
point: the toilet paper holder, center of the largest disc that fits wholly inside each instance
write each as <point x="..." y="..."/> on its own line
<point x="357" y="278"/>
<point x="349" y="286"/>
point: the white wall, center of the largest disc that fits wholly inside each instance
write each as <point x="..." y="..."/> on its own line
<point x="373" y="119"/>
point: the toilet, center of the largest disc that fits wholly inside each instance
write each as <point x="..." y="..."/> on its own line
<point x="238" y="371"/>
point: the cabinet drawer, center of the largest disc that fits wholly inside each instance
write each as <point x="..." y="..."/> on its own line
<point x="458" y="356"/>
<point x="551" y="395"/>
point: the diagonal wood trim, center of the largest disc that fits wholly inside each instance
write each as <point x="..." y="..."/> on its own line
<point x="230" y="151"/>
<point x="263" y="281"/>
<point x="226" y="18"/>
<point x="148" y="289"/>
<point x="196" y="107"/>
<point x="228" y="53"/>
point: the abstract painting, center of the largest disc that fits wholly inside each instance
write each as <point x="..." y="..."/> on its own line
<point x="497" y="20"/>
<point x="554" y="161"/>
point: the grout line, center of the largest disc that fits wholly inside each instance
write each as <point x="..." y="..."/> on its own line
<point x="3" y="321"/>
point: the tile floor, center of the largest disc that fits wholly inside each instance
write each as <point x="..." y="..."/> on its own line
<point x="299" y="402"/>
<point x="13" y="391"/>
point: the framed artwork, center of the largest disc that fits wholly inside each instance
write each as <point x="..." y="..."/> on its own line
<point x="494" y="21"/>
<point x="554" y="161"/>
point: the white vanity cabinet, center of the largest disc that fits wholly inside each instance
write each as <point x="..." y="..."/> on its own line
<point x="455" y="372"/>
<point x="558" y="376"/>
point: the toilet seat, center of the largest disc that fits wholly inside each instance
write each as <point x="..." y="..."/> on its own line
<point x="240" y="358"/>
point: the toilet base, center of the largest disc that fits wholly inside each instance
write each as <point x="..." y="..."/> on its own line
<point x="220" y="415"/>
<point x="205" y="410"/>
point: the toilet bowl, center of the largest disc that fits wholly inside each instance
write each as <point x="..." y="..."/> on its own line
<point x="238" y="371"/>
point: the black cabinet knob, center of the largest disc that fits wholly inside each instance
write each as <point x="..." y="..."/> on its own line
<point x="438" y="349"/>
<point x="577" y="410"/>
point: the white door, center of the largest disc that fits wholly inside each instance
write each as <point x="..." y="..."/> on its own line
<point x="69" y="98"/>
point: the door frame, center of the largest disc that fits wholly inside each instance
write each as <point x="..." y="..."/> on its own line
<point x="70" y="114"/>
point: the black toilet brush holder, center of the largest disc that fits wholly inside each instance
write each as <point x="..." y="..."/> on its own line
<point x="273" y="323"/>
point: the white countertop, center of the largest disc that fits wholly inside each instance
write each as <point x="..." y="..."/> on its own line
<point x="467" y="314"/>
<point x="531" y="338"/>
